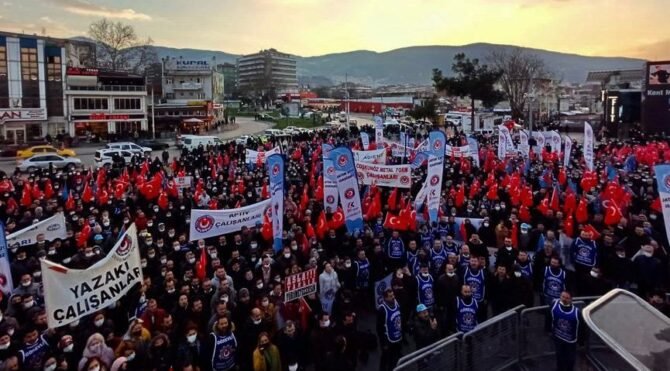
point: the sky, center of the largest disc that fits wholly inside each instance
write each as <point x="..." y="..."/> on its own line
<point x="630" y="28"/>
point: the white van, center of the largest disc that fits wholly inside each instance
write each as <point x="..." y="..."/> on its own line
<point x="192" y="142"/>
<point x="272" y="132"/>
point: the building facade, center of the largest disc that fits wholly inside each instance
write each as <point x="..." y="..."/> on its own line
<point x="105" y="104"/>
<point x="229" y="72"/>
<point x="32" y="82"/>
<point x="187" y="80"/>
<point x="267" y="72"/>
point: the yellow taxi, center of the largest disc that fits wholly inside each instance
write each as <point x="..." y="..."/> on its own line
<point x="40" y="150"/>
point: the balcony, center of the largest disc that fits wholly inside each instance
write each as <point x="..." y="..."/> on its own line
<point x="120" y="88"/>
<point x="187" y="86"/>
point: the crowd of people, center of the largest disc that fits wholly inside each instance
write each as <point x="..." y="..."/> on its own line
<point x="532" y="232"/>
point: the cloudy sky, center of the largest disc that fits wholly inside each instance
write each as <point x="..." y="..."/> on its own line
<point x="634" y="28"/>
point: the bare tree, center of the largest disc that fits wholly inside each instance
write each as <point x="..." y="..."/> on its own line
<point x="120" y="48"/>
<point x="519" y="68"/>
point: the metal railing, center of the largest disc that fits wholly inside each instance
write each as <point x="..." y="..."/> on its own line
<point x="519" y="338"/>
<point x="139" y="88"/>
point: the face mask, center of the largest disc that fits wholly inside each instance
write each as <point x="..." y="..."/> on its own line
<point x="143" y="264"/>
<point x="486" y="224"/>
<point x="171" y="234"/>
<point x="4" y="346"/>
<point x="425" y="275"/>
<point x="293" y="367"/>
<point x="508" y="248"/>
<point x="294" y="247"/>
<point x="259" y="286"/>
<point x="594" y="274"/>
<point x="170" y="291"/>
<point x="325" y="323"/>
<point x="648" y="254"/>
<point x="51" y="252"/>
<point x="621" y="254"/>
<point x="10" y="332"/>
<point x="29" y="304"/>
<point x="89" y="254"/>
<point x="130" y="357"/>
<point x="399" y="275"/>
<point x="265" y="303"/>
<point x="105" y="223"/>
<point x="191" y="338"/>
<point x="69" y="348"/>
<point x="151" y="256"/>
<point x="254" y="245"/>
<point x="347" y="265"/>
<point x="176" y="247"/>
<point x="126" y="221"/>
<point x="26" y="284"/>
<point x="51" y="367"/>
<point x="96" y="368"/>
<point x="99" y="322"/>
<point x="517" y="274"/>
<point x="287" y="255"/>
<point x="143" y="299"/>
<point x="257" y="321"/>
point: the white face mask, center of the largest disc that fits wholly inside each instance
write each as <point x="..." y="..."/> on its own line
<point x="191" y="260"/>
<point x="451" y="274"/>
<point x="254" y="245"/>
<point x="259" y="286"/>
<point x="96" y="368"/>
<point x="176" y="247"/>
<point x="399" y="275"/>
<point x="293" y="367"/>
<point x="26" y="284"/>
<point x="265" y="303"/>
<point x="288" y="255"/>
<point x="594" y="274"/>
<point x="130" y="357"/>
<point x="294" y="247"/>
<point x="51" y="367"/>
<point x="191" y="338"/>
<point x="4" y="346"/>
<point x="647" y="254"/>
<point x="347" y="265"/>
<point x="517" y="274"/>
<point x="99" y="322"/>
<point x="621" y="254"/>
<point x="325" y="323"/>
<point x="257" y="321"/>
<point x="69" y="348"/>
<point x="213" y="255"/>
<point x="425" y="275"/>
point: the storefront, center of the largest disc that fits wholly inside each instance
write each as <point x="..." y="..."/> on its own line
<point x="101" y="126"/>
<point x="23" y="125"/>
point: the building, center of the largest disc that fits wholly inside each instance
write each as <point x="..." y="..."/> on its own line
<point x="229" y="72"/>
<point x="621" y="94"/>
<point x="377" y="104"/>
<point x="656" y="98"/>
<point x="105" y="104"/>
<point x="32" y="81"/>
<point x="267" y="73"/>
<point x="187" y="80"/>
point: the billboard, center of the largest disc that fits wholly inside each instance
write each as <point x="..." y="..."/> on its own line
<point x="656" y="98"/>
<point x="188" y="64"/>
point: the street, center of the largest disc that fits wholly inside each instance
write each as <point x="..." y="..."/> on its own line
<point x="246" y="126"/>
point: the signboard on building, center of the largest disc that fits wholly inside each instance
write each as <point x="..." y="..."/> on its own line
<point x="656" y="97"/>
<point x="299" y="285"/>
<point x="188" y="65"/>
<point x="22" y="114"/>
<point x="107" y="116"/>
<point x="79" y="71"/>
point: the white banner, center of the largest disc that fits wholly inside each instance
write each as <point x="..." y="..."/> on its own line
<point x="183" y="182"/>
<point x="524" y="147"/>
<point x="71" y="294"/>
<point x="46" y="230"/>
<point x="365" y="139"/>
<point x="435" y="172"/>
<point x="377" y="156"/>
<point x="566" y="152"/>
<point x="380" y="287"/>
<point x="212" y="223"/>
<point x="330" y="194"/>
<point x="253" y="157"/>
<point x="421" y="196"/>
<point x="505" y="144"/>
<point x="7" y="284"/>
<point x="399" y="150"/>
<point x="588" y="146"/>
<point x="347" y="185"/>
<point x="474" y="150"/>
<point x="399" y="176"/>
<point x="539" y="139"/>
<point x="554" y="140"/>
<point x="275" y="164"/>
<point x="379" y="132"/>
<point x="457" y="152"/>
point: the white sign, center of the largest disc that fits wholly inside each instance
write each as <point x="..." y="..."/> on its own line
<point x="22" y="114"/>
<point x="588" y="146"/>
<point x="377" y="156"/>
<point x="399" y="176"/>
<point x="46" y="230"/>
<point x="254" y="157"/>
<point x="457" y="152"/>
<point x="188" y="65"/>
<point x="71" y="294"/>
<point x="183" y="182"/>
<point x="212" y="223"/>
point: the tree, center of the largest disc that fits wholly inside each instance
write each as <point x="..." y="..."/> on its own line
<point x="425" y="111"/>
<point x="519" y="69"/>
<point x="471" y="80"/>
<point x="119" y="47"/>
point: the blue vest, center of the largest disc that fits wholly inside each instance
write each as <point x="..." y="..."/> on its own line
<point x="32" y="356"/>
<point x="463" y="262"/>
<point x="466" y="315"/>
<point x="438" y="259"/>
<point x="396" y="249"/>
<point x="453" y="249"/>
<point x="392" y="322"/>
<point x="565" y="324"/>
<point x="425" y="290"/>
<point x="553" y="284"/>
<point x="427" y="240"/>
<point x="225" y="348"/>
<point x="443" y="231"/>
<point x="476" y="283"/>
<point x="412" y="256"/>
<point x="362" y="273"/>
<point x="585" y="253"/>
<point x="526" y="271"/>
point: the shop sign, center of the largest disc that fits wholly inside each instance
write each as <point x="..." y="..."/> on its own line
<point x="22" y="114"/>
<point x="79" y="71"/>
<point x="196" y="103"/>
<point x="188" y="65"/>
<point x="106" y="116"/>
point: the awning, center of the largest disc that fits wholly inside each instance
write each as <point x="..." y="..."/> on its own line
<point x="193" y="121"/>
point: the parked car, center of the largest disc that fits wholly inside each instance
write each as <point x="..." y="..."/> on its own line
<point x="36" y="150"/>
<point x="153" y="144"/>
<point x="130" y="146"/>
<point x="105" y="157"/>
<point x="43" y="162"/>
<point x="242" y="140"/>
<point x="193" y="141"/>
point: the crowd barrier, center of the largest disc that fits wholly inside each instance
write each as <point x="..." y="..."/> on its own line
<point x="517" y="339"/>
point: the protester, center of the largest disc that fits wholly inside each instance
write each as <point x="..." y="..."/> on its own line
<point x="507" y="232"/>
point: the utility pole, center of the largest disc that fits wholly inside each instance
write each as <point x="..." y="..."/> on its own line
<point x="530" y="105"/>
<point x="346" y="96"/>
<point x="153" y="114"/>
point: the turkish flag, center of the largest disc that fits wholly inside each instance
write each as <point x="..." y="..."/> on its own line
<point x="582" y="211"/>
<point x="69" y="203"/>
<point x="163" y="200"/>
<point x="87" y="195"/>
<point x="26" y="200"/>
<point x="321" y="225"/>
<point x="48" y="189"/>
<point x="554" y="203"/>
<point x="337" y="221"/>
<point x="201" y="265"/>
<point x="612" y="212"/>
<point x="393" y="222"/>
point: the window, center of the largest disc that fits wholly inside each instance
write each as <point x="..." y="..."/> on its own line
<point x="90" y="104"/>
<point x="29" y="64"/>
<point x="127" y="104"/>
<point x="53" y="68"/>
<point x="3" y="62"/>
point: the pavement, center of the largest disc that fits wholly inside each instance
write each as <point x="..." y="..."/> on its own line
<point x="85" y="152"/>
